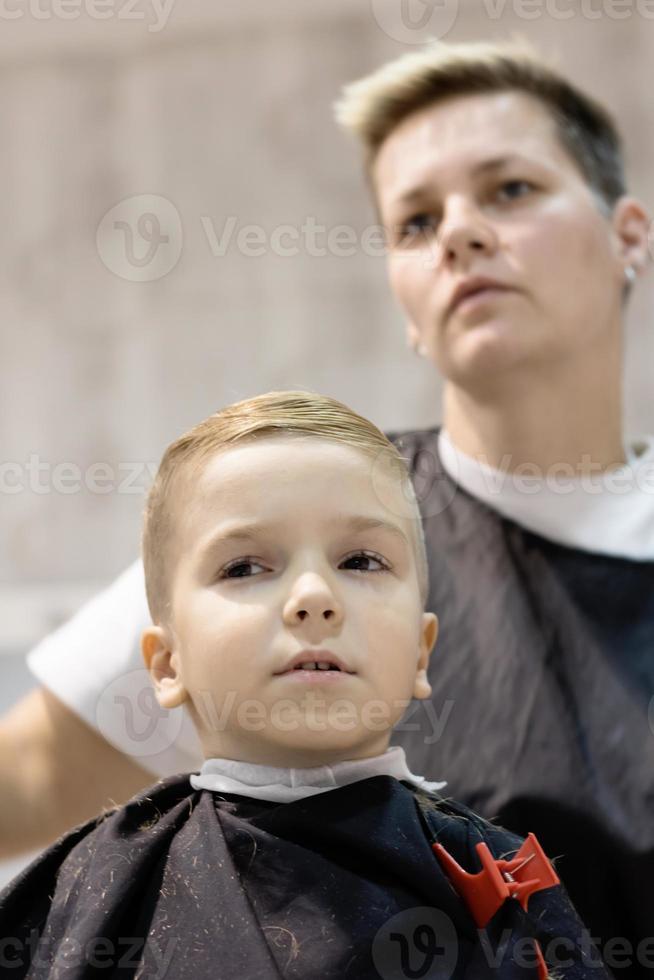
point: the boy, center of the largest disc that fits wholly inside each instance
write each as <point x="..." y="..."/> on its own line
<point x="286" y="578"/>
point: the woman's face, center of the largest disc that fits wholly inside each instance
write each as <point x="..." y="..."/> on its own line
<point x="480" y="185"/>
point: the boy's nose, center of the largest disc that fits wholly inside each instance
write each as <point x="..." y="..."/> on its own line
<point x="312" y="602"/>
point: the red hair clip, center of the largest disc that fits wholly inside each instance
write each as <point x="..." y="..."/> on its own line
<point x="528" y="872"/>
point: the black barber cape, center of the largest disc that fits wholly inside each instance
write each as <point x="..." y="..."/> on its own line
<point x="193" y="885"/>
<point x="543" y="679"/>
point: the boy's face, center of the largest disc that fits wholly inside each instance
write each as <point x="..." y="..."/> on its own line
<point x="530" y="223"/>
<point x="276" y="555"/>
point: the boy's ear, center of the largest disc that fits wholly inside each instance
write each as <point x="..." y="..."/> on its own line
<point x="428" y="635"/>
<point x="163" y="666"/>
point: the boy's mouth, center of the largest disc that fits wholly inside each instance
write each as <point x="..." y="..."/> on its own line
<point x="316" y="660"/>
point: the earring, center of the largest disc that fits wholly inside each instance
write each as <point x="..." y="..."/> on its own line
<point x="420" y="350"/>
<point x="630" y="275"/>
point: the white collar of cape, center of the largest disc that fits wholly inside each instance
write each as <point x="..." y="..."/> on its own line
<point x="280" y="785"/>
<point x="608" y="514"/>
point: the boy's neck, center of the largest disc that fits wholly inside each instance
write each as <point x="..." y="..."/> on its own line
<point x="574" y="420"/>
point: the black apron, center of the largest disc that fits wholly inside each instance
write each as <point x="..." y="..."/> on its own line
<point x="343" y="885"/>
<point x="543" y="679"/>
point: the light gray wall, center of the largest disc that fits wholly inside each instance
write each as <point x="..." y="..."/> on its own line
<point x="225" y="112"/>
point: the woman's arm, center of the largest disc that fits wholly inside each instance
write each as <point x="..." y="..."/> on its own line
<point x="56" y="772"/>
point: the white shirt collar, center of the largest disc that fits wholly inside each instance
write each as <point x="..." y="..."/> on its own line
<point x="282" y="785"/>
<point x="606" y="513"/>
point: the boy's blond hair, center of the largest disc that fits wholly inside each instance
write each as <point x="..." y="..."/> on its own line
<point x="276" y="413"/>
<point x="373" y="106"/>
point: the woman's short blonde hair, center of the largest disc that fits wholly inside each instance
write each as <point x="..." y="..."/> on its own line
<point x="274" y="414"/>
<point x="373" y="106"/>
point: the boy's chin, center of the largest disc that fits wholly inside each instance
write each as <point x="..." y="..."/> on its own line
<point x="327" y="744"/>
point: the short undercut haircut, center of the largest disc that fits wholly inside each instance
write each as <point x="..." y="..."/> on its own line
<point x="373" y="106"/>
<point x="274" y="414"/>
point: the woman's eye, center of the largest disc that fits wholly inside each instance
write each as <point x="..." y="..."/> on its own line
<point x="362" y="562"/>
<point x="241" y="568"/>
<point x="515" y="188"/>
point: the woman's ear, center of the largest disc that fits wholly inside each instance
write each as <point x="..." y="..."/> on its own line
<point x="162" y="663"/>
<point x="413" y="339"/>
<point x="631" y="227"/>
<point x="428" y="636"/>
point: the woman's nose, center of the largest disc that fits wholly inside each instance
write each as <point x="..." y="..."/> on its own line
<point x="465" y="232"/>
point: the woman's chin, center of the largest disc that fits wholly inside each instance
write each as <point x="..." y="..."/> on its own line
<point x="484" y="351"/>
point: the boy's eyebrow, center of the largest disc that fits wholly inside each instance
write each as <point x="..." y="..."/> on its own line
<point x="234" y="531"/>
<point x="485" y="166"/>
<point x="247" y="530"/>
<point x="373" y="524"/>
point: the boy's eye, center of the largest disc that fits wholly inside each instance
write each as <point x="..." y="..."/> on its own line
<point x="361" y="561"/>
<point x="241" y="568"/>
<point x="514" y="188"/>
